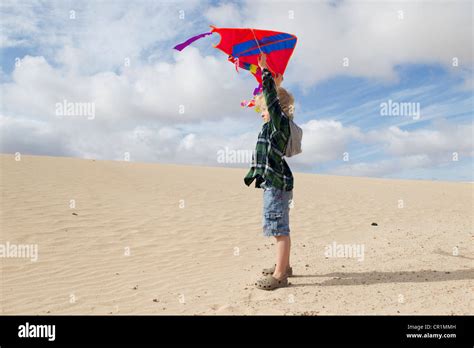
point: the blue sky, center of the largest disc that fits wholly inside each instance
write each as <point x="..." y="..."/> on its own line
<point x="418" y="53"/>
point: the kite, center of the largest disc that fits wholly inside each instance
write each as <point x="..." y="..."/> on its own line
<point x="243" y="47"/>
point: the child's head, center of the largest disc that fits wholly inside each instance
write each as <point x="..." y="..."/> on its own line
<point x="287" y="103"/>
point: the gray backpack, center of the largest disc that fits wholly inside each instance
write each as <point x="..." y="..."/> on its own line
<point x="294" y="143"/>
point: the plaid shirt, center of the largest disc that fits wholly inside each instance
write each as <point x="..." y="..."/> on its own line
<point x="269" y="168"/>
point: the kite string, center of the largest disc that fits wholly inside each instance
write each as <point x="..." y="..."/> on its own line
<point x="256" y="40"/>
<point x="258" y="45"/>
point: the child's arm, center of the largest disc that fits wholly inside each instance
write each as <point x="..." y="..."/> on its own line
<point x="271" y="98"/>
<point x="270" y="94"/>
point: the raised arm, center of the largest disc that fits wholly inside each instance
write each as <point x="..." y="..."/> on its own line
<point x="271" y="98"/>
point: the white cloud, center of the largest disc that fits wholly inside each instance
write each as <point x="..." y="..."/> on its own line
<point x="93" y="36"/>
<point x="205" y="87"/>
<point x="324" y="140"/>
<point x="384" y="167"/>
<point x="371" y="34"/>
<point x="445" y="144"/>
<point x="33" y="137"/>
<point x="443" y="140"/>
<point x="138" y="106"/>
<point x="226" y="15"/>
<point x="187" y="143"/>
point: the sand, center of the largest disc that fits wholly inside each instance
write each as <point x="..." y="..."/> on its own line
<point x="136" y="238"/>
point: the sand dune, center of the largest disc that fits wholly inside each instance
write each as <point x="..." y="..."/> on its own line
<point x="169" y="239"/>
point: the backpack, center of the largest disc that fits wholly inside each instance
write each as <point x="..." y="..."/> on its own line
<point x="294" y="142"/>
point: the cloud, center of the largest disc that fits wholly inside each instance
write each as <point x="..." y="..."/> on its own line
<point x="183" y="91"/>
<point x="33" y="137"/>
<point x="374" y="36"/>
<point x="403" y="150"/>
<point x="183" y="107"/>
<point x="93" y="36"/>
<point x="383" y="168"/>
<point x="439" y="142"/>
<point x="157" y="142"/>
<point x="226" y="15"/>
<point x="324" y="140"/>
<point x="187" y="143"/>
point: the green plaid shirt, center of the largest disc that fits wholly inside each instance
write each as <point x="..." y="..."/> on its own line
<point x="269" y="168"/>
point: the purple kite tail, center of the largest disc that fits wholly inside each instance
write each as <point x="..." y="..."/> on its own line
<point x="189" y="41"/>
<point x="258" y="90"/>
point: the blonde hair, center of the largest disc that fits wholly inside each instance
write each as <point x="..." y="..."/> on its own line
<point x="287" y="101"/>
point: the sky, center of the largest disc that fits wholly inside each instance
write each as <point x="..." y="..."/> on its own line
<point x="383" y="89"/>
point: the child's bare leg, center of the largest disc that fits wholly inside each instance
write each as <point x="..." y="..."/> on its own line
<point x="289" y="250"/>
<point x="283" y="256"/>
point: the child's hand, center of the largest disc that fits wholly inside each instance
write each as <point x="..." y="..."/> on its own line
<point x="278" y="79"/>
<point x="262" y="61"/>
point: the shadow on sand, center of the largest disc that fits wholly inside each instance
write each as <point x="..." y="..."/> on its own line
<point x="444" y="253"/>
<point x="367" y="278"/>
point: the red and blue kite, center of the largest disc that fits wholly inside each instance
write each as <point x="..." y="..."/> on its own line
<point x="243" y="47"/>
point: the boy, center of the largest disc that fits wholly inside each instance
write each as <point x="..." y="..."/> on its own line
<point x="271" y="172"/>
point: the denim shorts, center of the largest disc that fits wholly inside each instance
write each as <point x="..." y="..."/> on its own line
<point x="276" y="212"/>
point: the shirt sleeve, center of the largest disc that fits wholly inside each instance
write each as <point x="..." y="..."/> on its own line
<point x="271" y="99"/>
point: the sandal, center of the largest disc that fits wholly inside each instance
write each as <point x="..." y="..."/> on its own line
<point x="271" y="270"/>
<point x="271" y="283"/>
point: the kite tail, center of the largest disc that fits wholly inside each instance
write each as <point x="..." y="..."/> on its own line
<point x="189" y="41"/>
<point x="258" y="89"/>
<point x="251" y="103"/>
